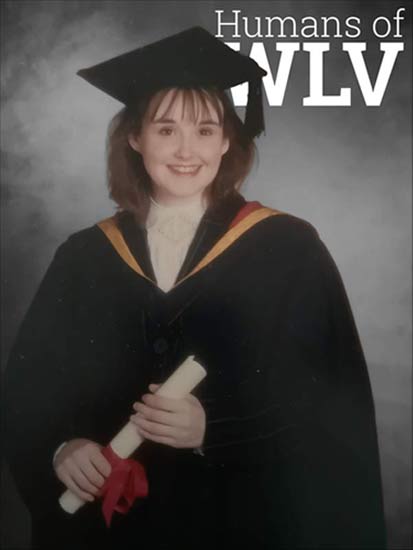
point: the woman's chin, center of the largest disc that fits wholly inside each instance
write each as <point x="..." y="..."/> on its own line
<point x="182" y="192"/>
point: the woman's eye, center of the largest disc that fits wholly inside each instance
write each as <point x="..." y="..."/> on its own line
<point x="206" y="131"/>
<point x="165" y="131"/>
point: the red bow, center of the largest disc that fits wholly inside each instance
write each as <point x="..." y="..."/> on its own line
<point x="126" y="482"/>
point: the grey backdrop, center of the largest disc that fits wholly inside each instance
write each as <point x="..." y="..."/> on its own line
<point x="346" y="170"/>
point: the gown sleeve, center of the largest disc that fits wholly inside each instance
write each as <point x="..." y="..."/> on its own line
<point x="310" y="440"/>
<point x="39" y="386"/>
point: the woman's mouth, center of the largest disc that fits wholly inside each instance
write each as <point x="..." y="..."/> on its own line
<point x="184" y="170"/>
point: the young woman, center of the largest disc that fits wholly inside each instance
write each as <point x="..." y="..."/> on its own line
<point x="277" y="448"/>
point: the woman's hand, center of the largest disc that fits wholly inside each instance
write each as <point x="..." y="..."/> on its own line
<point x="81" y="466"/>
<point x="179" y="423"/>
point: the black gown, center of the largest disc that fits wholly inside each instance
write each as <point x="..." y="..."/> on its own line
<point x="290" y="453"/>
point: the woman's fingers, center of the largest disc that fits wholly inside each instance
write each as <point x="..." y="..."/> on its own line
<point x="101" y="464"/>
<point x="72" y="485"/>
<point x="175" y="422"/>
<point x="90" y="460"/>
<point x="156" y="415"/>
<point x="165" y="440"/>
<point x="92" y="474"/>
<point x="193" y="400"/>
<point x="66" y="477"/>
<point x="78" y="470"/>
<point x="83" y="482"/>
<point x="155" y="428"/>
<point x="163" y="403"/>
<point x="81" y="466"/>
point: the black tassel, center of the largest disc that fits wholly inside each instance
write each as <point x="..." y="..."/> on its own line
<point x="254" y="114"/>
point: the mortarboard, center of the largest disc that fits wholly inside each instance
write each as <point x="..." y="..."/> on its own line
<point x="192" y="58"/>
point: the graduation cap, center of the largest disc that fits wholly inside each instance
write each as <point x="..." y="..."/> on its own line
<point x="193" y="58"/>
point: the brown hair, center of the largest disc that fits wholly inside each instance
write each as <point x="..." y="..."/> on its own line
<point x="128" y="181"/>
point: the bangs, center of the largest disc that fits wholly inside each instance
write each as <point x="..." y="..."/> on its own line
<point x="197" y="104"/>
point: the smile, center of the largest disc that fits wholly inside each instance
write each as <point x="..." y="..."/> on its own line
<point x="182" y="169"/>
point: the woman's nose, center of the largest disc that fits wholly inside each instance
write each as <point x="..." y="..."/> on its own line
<point x="184" y="147"/>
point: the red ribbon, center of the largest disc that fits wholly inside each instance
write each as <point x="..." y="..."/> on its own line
<point x="126" y="482"/>
<point x="244" y="211"/>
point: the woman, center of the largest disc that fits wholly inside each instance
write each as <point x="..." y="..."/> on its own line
<point x="278" y="449"/>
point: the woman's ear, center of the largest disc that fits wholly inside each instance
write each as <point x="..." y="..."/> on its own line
<point x="225" y="146"/>
<point x="134" y="142"/>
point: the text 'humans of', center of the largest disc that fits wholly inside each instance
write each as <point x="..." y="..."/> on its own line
<point x="275" y="87"/>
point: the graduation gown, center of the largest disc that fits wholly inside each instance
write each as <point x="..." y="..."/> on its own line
<point x="290" y="453"/>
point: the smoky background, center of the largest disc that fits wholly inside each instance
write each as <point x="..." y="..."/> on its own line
<point x="347" y="170"/>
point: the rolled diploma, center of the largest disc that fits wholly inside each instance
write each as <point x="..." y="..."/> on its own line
<point x="181" y="382"/>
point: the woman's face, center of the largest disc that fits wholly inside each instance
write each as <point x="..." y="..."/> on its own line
<point x="181" y="145"/>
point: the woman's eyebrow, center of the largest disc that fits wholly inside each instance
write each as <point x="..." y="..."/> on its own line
<point x="210" y="121"/>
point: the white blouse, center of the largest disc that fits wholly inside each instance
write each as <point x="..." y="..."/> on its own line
<point x="170" y="232"/>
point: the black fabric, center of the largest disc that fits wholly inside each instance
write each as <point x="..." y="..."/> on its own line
<point x="193" y="58"/>
<point x="291" y="456"/>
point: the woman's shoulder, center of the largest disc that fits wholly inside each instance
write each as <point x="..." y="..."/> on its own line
<point x="287" y="227"/>
<point x="84" y="240"/>
<point x="293" y="240"/>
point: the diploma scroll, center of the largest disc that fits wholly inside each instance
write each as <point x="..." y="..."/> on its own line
<point x="181" y="382"/>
